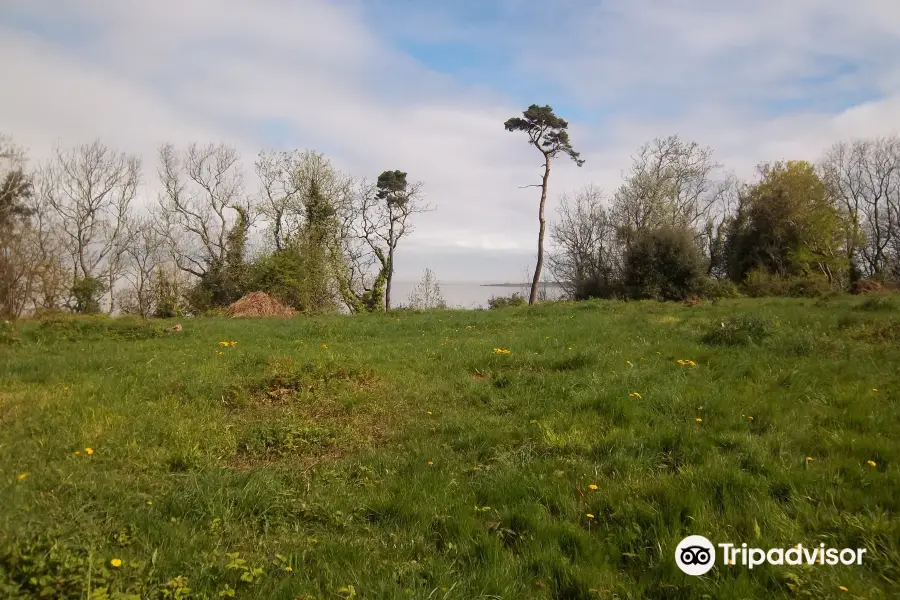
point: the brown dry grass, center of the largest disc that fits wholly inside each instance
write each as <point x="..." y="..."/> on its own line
<point x="259" y="304"/>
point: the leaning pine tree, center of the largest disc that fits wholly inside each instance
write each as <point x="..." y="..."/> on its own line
<point x="548" y="133"/>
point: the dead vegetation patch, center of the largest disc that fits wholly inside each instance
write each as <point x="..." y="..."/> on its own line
<point x="308" y="414"/>
<point x="259" y="304"/>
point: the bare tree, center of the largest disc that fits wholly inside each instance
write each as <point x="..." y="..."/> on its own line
<point x="427" y="294"/>
<point x="90" y="188"/>
<point x="671" y="182"/>
<point x="17" y="257"/>
<point x="549" y="134"/>
<point x="585" y="249"/>
<point x="203" y="192"/>
<point x="144" y="254"/>
<point x="284" y="177"/>
<point x="863" y="179"/>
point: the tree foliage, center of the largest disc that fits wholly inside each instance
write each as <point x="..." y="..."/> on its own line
<point x="549" y="134"/>
<point x="663" y="264"/>
<point x="786" y="224"/>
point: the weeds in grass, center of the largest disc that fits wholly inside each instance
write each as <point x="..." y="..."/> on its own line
<point x="377" y="468"/>
<point x="739" y="331"/>
<point x="879" y="303"/>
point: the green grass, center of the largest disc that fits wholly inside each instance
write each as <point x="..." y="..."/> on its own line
<point x="407" y="459"/>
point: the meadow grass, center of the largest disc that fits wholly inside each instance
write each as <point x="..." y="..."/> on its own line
<point x="401" y="456"/>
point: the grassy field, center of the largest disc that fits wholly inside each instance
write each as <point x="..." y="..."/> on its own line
<point x="404" y="456"/>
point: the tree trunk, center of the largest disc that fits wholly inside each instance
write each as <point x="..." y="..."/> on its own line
<point x="543" y="225"/>
<point x="390" y="277"/>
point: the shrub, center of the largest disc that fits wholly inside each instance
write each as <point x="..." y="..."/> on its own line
<point x="8" y="333"/>
<point x="877" y="303"/>
<point x="759" y="283"/>
<point x="94" y="327"/>
<point x="739" y="331"/>
<point x="714" y="289"/>
<point x="663" y="264"/>
<point x="867" y="286"/>
<point x="87" y="292"/>
<point x="427" y="295"/>
<point x="515" y="299"/>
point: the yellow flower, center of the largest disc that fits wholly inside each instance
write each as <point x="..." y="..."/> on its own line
<point x="809" y="458"/>
<point x="502" y="351"/>
<point x="78" y="453"/>
<point x="872" y="463"/>
<point x="427" y="412"/>
<point x="699" y="420"/>
<point x="593" y="486"/>
<point x="843" y="589"/>
<point x="233" y="343"/>
<point x="627" y="362"/>
<point x="88" y="450"/>
<point x="22" y="476"/>
<point x="749" y="418"/>
<point x="569" y="348"/>
<point x="225" y="344"/>
<point x="288" y="570"/>
<point x="324" y="345"/>
<point x="589" y="516"/>
<point x="430" y="462"/>
<point x="634" y="395"/>
<point x="149" y="502"/>
<point x="116" y="562"/>
<point x="875" y="390"/>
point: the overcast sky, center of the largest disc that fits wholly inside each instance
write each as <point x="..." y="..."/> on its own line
<point x="424" y="87"/>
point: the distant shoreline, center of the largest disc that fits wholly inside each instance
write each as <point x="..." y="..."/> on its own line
<point x="543" y="283"/>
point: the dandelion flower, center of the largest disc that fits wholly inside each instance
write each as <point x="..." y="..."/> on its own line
<point x="699" y="420"/>
<point x="627" y="362"/>
<point x="809" y="458"/>
<point x="22" y="476"/>
<point x="872" y="463"/>
<point x="116" y="562"/>
<point x="149" y="502"/>
<point x="593" y="486"/>
<point x="634" y="395"/>
<point x="288" y="570"/>
<point x="88" y="450"/>
<point x="430" y="462"/>
<point x="427" y="412"/>
<point x="324" y="345"/>
<point x="77" y="453"/>
<point x="875" y="390"/>
<point x="749" y="418"/>
<point x="843" y="589"/>
<point x="502" y="351"/>
<point x="589" y="516"/>
<point x="225" y="344"/>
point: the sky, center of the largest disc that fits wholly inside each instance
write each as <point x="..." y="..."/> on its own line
<point x="425" y="87"/>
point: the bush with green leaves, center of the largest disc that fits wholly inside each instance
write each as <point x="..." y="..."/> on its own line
<point x="759" y="283"/>
<point x="663" y="264"/>
<point x="718" y="288"/>
<point x="297" y="276"/>
<point x="87" y="291"/>
<point x="514" y="299"/>
<point x="739" y="331"/>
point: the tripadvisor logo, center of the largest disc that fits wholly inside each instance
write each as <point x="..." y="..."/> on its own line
<point x="696" y="555"/>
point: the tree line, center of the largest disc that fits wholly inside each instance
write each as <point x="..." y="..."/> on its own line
<point x="73" y="237"/>
<point x="680" y="224"/>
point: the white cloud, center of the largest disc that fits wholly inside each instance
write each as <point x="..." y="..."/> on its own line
<point x="150" y="72"/>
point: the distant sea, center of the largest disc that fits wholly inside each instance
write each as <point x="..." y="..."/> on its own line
<point x="469" y="294"/>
